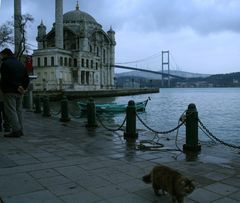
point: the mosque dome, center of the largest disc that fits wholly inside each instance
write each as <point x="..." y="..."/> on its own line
<point x="77" y="16"/>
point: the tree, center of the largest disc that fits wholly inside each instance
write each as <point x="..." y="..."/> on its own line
<point x="24" y="19"/>
<point x="6" y="33"/>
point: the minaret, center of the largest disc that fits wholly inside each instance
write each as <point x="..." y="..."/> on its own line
<point x="41" y="34"/>
<point x="83" y="40"/>
<point x="111" y="35"/>
<point x="17" y="26"/>
<point x="59" y="24"/>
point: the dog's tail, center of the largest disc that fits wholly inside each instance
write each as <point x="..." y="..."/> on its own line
<point x="147" y="178"/>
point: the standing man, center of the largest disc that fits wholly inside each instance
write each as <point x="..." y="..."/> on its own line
<point x="14" y="82"/>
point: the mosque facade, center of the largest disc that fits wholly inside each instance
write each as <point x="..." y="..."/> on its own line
<point x="76" y="54"/>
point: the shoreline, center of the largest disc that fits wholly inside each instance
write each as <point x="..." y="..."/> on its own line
<point x="57" y="95"/>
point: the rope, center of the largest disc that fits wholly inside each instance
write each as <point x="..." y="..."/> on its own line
<point x="176" y="140"/>
<point x="201" y="128"/>
<point x="155" y="145"/>
<point x="217" y="139"/>
<point x="74" y="108"/>
<point x="55" y="113"/>
<point x="74" y="116"/>
<point x="159" y="132"/>
<point x="110" y="129"/>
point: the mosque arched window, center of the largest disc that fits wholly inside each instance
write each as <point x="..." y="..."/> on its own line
<point x="61" y="61"/>
<point x="97" y="51"/>
<point x="65" y="61"/>
<point x="52" y="61"/>
<point x="91" y="63"/>
<point x="104" y="56"/>
<point x="87" y="63"/>
<point x="75" y="62"/>
<point x="82" y="64"/>
<point x="45" y="61"/>
<point x="38" y="61"/>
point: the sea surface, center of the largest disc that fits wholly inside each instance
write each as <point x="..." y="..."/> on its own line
<point x="218" y="109"/>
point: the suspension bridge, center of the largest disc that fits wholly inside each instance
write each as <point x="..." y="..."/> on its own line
<point x="148" y="71"/>
<point x="165" y="66"/>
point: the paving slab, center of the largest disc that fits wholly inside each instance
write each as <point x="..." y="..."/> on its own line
<point x="59" y="162"/>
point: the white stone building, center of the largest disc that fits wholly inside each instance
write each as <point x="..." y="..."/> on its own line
<point x="75" y="55"/>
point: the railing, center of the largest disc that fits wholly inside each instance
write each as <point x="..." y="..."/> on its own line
<point x="189" y="118"/>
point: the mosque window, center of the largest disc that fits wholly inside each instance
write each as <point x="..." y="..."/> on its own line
<point x="87" y="63"/>
<point x="52" y="61"/>
<point x="65" y="61"/>
<point x="82" y="63"/>
<point x="96" y="66"/>
<point x="104" y="56"/>
<point x="45" y="61"/>
<point x="91" y="63"/>
<point x="70" y="62"/>
<point x="87" y="77"/>
<point x="61" y="61"/>
<point x="38" y="62"/>
<point x="75" y="62"/>
<point x="97" y="51"/>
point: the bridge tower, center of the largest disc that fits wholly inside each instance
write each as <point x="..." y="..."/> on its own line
<point x="165" y="64"/>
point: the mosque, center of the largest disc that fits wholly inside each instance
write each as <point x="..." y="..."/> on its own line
<point x="76" y="54"/>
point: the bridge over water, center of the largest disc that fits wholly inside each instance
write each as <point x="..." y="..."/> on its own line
<point x="168" y="75"/>
<point x="149" y="71"/>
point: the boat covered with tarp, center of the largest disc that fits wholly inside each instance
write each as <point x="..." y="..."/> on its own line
<point x="113" y="107"/>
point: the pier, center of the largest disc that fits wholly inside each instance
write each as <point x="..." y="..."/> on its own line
<point x="65" y="162"/>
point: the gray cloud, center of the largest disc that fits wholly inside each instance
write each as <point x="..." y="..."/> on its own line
<point x="202" y="16"/>
<point x="191" y="29"/>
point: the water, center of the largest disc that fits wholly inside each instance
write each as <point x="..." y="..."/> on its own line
<point x="218" y="109"/>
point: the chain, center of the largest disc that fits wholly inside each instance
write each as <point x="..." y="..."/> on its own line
<point x="217" y="139"/>
<point x="159" y="132"/>
<point x="110" y="129"/>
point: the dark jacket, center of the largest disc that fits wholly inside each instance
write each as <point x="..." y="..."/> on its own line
<point x="13" y="75"/>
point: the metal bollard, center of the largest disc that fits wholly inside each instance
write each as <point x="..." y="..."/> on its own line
<point x="64" y="110"/>
<point x="46" y="108"/>
<point x="192" y="130"/>
<point x="130" y="132"/>
<point x="37" y="102"/>
<point x="91" y="114"/>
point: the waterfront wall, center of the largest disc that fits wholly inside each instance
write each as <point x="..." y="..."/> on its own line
<point x="57" y="95"/>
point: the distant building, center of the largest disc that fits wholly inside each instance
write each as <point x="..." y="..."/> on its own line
<point x="76" y="54"/>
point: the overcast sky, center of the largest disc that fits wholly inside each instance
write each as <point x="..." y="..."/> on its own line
<point x="202" y="36"/>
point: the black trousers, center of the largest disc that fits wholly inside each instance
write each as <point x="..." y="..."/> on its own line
<point x="3" y="119"/>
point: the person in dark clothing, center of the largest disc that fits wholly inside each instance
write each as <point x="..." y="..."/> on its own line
<point x="14" y="82"/>
<point x="4" y="124"/>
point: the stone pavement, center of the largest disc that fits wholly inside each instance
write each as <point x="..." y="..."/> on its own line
<point x="65" y="162"/>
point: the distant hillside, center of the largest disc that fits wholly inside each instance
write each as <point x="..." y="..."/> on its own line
<point x="156" y="77"/>
<point x="135" y="79"/>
